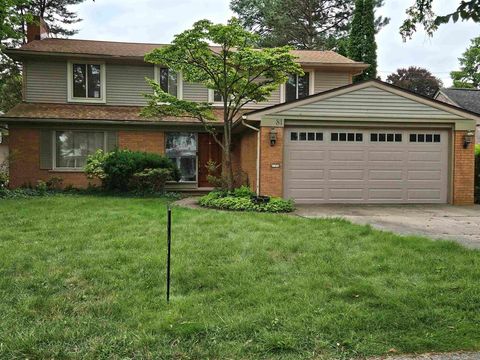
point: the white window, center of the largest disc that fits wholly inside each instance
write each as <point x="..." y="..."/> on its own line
<point x="170" y="81"/>
<point x="86" y="81"/>
<point x="215" y="97"/>
<point x="71" y="148"/>
<point x="181" y="148"/>
<point x="298" y="87"/>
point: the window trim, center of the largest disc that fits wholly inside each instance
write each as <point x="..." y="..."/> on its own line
<point x="54" y="149"/>
<point x="103" y="83"/>
<point x="196" y="158"/>
<point x="156" y="75"/>
<point x="311" y="86"/>
<point x="211" y="98"/>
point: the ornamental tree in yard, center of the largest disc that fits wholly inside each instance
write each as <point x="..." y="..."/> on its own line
<point x="232" y="67"/>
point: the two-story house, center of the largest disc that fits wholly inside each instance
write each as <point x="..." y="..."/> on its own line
<point x="318" y="139"/>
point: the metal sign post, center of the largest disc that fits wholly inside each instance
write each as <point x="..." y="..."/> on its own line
<point x="169" y="240"/>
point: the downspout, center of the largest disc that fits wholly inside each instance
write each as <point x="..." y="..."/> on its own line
<point x="257" y="182"/>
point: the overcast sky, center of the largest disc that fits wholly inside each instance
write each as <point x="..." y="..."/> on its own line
<point x="157" y="21"/>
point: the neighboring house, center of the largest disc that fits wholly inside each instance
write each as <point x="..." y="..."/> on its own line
<point x="468" y="99"/>
<point x="318" y="139"/>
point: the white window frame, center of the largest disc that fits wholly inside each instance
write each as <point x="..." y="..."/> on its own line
<point x="196" y="157"/>
<point x="311" y="86"/>
<point x="211" y="98"/>
<point x="156" y="75"/>
<point x="54" y="149"/>
<point x="103" y="82"/>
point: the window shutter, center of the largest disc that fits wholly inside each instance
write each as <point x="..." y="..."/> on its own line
<point x="112" y="140"/>
<point x="46" y="155"/>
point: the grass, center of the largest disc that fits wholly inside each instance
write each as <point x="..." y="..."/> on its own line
<point x="84" y="277"/>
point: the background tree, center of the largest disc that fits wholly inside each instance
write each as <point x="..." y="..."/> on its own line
<point x="15" y="15"/>
<point x="362" y="45"/>
<point x="416" y="79"/>
<point x="234" y="69"/>
<point x="421" y="13"/>
<point x="303" y="24"/>
<point x="469" y="74"/>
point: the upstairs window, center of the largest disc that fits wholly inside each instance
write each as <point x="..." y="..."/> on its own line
<point x="297" y="87"/>
<point x="170" y="81"/>
<point x="86" y="82"/>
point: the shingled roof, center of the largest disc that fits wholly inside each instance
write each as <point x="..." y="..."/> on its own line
<point x="95" y="113"/>
<point x="468" y="99"/>
<point x="138" y="51"/>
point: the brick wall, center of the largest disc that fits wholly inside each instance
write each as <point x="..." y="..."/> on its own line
<point x="149" y="141"/>
<point x="271" y="179"/>
<point x="248" y="156"/>
<point x="463" y="171"/>
<point x="25" y="156"/>
<point x="25" y="161"/>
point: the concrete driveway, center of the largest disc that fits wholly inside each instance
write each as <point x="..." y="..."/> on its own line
<point x="458" y="223"/>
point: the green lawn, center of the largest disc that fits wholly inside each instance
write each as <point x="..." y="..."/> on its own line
<point x="84" y="277"/>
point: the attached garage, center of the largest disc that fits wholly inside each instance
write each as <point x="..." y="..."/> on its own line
<point x="359" y="165"/>
<point x="366" y="143"/>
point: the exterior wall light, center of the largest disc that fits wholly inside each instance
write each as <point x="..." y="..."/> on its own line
<point x="468" y="138"/>
<point x="273" y="136"/>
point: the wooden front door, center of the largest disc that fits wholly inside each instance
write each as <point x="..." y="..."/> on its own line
<point x="208" y="150"/>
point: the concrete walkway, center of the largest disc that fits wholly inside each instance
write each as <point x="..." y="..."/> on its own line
<point x="458" y="223"/>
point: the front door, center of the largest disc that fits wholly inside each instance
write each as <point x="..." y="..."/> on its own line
<point x="208" y="149"/>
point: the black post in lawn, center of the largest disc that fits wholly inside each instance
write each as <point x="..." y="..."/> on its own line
<point x="169" y="240"/>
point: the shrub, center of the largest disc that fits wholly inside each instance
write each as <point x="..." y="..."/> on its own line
<point x="219" y="181"/>
<point x="118" y="168"/>
<point x="275" y="205"/>
<point x="241" y="199"/>
<point x="150" y="180"/>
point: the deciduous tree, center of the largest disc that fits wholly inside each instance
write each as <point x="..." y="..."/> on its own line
<point x="416" y="79"/>
<point x="469" y="74"/>
<point x="234" y="69"/>
<point x="421" y="13"/>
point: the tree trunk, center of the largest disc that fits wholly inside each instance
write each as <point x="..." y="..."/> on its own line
<point x="227" y="161"/>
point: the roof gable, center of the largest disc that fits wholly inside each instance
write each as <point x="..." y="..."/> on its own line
<point x="368" y="100"/>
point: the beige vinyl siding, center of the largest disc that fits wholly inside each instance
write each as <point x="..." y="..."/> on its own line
<point x="369" y="103"/>
<point x="444" y="99"/>
<point x="126" y="84"/>
<point x="46" y="82"/>
<point x="195" y="92"/>
<point x="330" y="80"/>
<point x="274" y="99"/>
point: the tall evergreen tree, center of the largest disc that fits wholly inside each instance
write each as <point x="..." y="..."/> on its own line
<point x="362" y="45"/>
<point x="370" y="45"/>
<point x="303" y="24"/>
<point x="355" y="41"/>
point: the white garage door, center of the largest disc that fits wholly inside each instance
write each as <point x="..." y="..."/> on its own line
<point x="328" y="165"/>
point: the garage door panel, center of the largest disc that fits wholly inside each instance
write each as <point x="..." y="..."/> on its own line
<point x="424" y="156"/>
<point x="341" y="174"/>
<point x="424" y="195"/>
<point x="385" y="174"/>
<point x="425" y="175"/>
<point x="382" y="156"/>
<point x="305" y="155"/>
<point x="395" y="194"/>
<point x="345" y="194"/>
<point x="306" y="174"/>
<point x="364" y="171"/>
<point x="346" y="155"/>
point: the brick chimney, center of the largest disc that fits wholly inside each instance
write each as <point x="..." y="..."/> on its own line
<point x="37" y="29"/>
